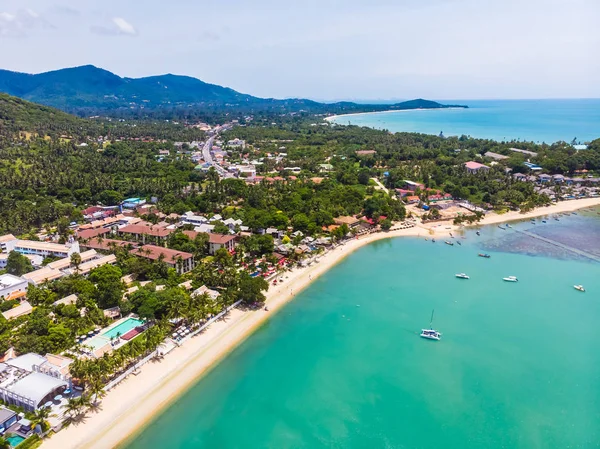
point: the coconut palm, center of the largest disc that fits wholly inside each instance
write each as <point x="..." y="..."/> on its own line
<point x="4" y="443"/>
<point x="72" y="407"/>
<point x="40" y="417"/>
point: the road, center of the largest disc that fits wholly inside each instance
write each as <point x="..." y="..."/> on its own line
<point x="381" y="186"/>
<point x="208" y="157"/>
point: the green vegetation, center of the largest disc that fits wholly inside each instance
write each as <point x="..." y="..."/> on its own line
<point x="17" y="264"/>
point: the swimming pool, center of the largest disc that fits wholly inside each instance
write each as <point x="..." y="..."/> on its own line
<point x="122" y="328"/>
<point x="15" y="440"/>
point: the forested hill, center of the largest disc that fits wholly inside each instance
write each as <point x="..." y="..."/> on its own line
<point x="19" y="115"/>
<point x="88" y="90"/>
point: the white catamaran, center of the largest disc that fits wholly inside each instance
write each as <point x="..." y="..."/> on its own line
<point x="431" y="333"/>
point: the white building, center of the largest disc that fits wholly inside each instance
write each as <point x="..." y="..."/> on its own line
<point x="32" y="380"/>
<point x="204" y="289"/>
<point x="43" y="249"/>
<point x="191" y="218"/>
<point x="9" y="285"/>
<point x="6" y="240"/>
<point x="237" y="143"/>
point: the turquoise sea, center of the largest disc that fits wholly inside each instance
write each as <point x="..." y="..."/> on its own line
<point x="342" y="366"/>
<point x="503" y="120"/>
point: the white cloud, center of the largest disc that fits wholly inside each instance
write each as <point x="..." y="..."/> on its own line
<point x="124" y="26"/>
<point x="20" y="23"/>
<point x="117" y="26"/>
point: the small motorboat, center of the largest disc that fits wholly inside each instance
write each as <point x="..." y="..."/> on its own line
<point x="460" y="244"/>
<point x="462" y="276"/>
<point x="487" y="256"/>
<point x="557" y="219"/>
<point x="501" y="227"/>
<point x="573" y="213"/>
<point x="449" y="243"/>
<point x="510" y="279"/>
<point x="433" y="240"/>
<point x="579" y="287"/>
<point x="478" y="233"/>
<point x="508" y="226"/>
<point x="544" y="221"/>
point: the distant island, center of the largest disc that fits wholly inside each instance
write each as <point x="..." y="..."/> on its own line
<point x="89" y="90"/>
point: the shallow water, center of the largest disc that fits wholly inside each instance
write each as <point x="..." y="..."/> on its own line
<point x="343" y="366"/>
<point x="531" y="120"/>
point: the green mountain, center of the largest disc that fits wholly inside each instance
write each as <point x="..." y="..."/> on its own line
<point x="88" y="89"/>
<point x="19" y="115"/>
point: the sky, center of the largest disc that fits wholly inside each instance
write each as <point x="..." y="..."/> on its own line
<point x="321" y="49"/>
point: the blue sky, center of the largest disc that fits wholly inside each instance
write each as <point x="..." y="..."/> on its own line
<point x="326" y="49"/>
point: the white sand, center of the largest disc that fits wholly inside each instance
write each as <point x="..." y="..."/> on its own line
<point x="134" y="402"/>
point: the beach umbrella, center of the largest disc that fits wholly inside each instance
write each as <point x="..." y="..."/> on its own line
<point x="90" y="333"/>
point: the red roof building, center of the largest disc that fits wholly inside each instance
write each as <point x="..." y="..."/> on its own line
<point x="181" y="261"/>
<point x="218" y="241"/>
<point x="146" y="232"/>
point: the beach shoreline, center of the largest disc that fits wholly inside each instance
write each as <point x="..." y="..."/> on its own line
<point x="331" y="118"/>
<point x="134" y="403"/>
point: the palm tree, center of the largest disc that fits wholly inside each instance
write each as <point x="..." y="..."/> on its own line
<point x="72" y="407"/>
<point x="76" y="261"/>
<point x="4" y="443"/>
<point x="40" y="417"/>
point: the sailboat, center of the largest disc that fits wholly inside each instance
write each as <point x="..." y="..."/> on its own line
<point x="431" y="334"/>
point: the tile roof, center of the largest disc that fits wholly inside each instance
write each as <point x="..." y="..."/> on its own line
<point x="154" y="252"/>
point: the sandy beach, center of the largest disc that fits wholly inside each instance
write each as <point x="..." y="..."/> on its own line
<point x="133" y="403"/>
<point x="331" y="118"/>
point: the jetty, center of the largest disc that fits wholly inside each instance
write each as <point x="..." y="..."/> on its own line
<point x="560" y="245"/>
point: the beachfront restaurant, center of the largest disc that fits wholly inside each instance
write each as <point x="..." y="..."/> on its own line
<point x="22" y="382"/>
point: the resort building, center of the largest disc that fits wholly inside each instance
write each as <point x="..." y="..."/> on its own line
<point x="218" y="241"/>
<point x="6" y="240"/>
<point x="101" y="244"/>
<point x="88" y="266"/>
<point x="475" y="167"/>
<point x="351" y="222"/>
<point x="67" y="301"/>
<point x="31" y="380"/>
<point x="204" y="289"/>
<point x="237" y="143"/>
<point x="7" y="418"/>
<point x="365" y="152"/>
<point x="191" y="218"/>
<point x="132" y="203"/>
<point x="181" y="261"/>
<point x="12" y="286"/>
<point x="21" y="310"/>
<point x="413" y="186"/>
<point x="528" y="153"/>
<point x="146" y="233"/>
<point x="43" y="249"/>
<point x="495" y="156"/>
<point x="532" y="167"/>
<point x="42" y="275"/>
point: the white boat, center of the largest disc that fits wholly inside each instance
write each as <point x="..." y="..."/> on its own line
<point x="431" y="334"/>
<point x="462" y="276"/>
<point x="510" y="279"/>
<point x="579" y="287"/>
